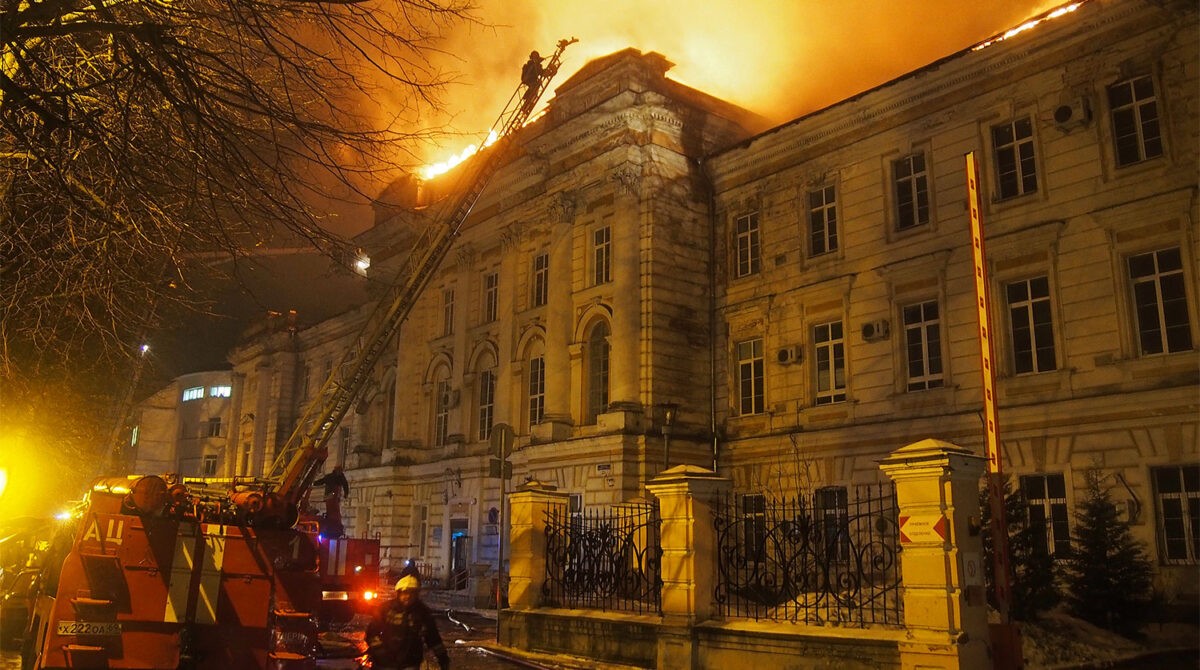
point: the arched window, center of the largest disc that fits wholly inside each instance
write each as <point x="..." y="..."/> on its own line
<point x="597" y="371"/>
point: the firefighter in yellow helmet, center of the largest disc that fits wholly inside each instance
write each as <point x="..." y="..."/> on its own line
<point x="399" y="634"/>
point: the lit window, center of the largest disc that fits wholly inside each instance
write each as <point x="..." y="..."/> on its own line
<point x="220" y="391"/>
<point x="1032" y="328"/>
<point x="193" y="393"/>
<point x="1016" y="173"/>
<point x="487" y="402"/>
<point x="1134" y="110"/>
<point x="912" y="191"/>
<point x="923" y="345"/>
<point x="751" y="397"/>
<point x="1160" y="302"/>
<point x="597" y="371"/>
<point x="537" y="390"/>
<point x="830" y="357"/>
<point x="1046" y="501"/>
<point x="822" y="221"/>
<point x="601" y="255"/>
<point x="1177" y="497"/>
<point x="749" y="258"/>
<point x="491" y="297"/>
<point x="541" y="279"/>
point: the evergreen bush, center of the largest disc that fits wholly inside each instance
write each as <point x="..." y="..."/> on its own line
<point x="1034" y="574"/>
<point x="1108" y="576"/>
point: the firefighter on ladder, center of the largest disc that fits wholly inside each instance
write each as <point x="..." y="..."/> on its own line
<point x="336" y="486"/>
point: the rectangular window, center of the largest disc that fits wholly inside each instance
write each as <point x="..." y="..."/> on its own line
<point x="746" y="242"/>
<point x="1031" y="325"/>
<point x="822" y="221"/>
<point x="1177" y="497"/>
<point x="830" y="356"/>
<point x="754" y="527"/>
<point x="1160" y="302"/>
<point x="923" y="345"/>
<point x="912" y="191"/>
<point x="441" y="416"/>
<point x="1046" y="501"/>
<point x="541" y="279"/>
<point x="193" y="393"/>
<point x="487" y="402"/>
<point x="750" y="377"/>
<point x="491" y="297"/>
<point x="447" y="311"/>
<point x="1134" y="110"/>
<point x="832" y="512"/>
<point x="209" y="467"/>
<point x="1016" y="173"/>
<point x="220" y="391"/>
<point x="213" y="427"/>
<point x="420" y="529"/>
<point x="537" y="390"/>
<point x="601" y="255"/>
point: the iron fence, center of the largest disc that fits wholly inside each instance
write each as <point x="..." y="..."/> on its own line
<point x="820" y="558"/>
<point x="605" y="559"/>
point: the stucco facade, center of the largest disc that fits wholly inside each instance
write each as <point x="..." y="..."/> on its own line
<point x="803" y="296"/>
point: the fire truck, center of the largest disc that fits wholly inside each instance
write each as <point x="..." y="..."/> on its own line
<point x="162" y="573"/>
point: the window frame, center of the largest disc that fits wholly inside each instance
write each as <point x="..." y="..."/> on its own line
<point x="447" y="311"/>
<point x="535" y="390"/>
<point x="486" y="403"/>
<point x="1181" y="303"/>
<point x="1023" y="167"/>
<point x="209" y="465"/>
<point x="917" y="185"/>
<point x="601" y="255"/>
<point x="540" y="279"/>
<point x="1188" y="494"/>
<point x="1137" y="108"/>
<point x="929" y="343"/>
<point x="490" y="296"/>
<point x="747" y="245"/>
<point x="441" y="411"/>
<point x="750" y="376"/>
<point x="599" y="354"/>
<point x="1033" y="308"/>
<point x="192" y="393"/>
<point x="823" y="220"/>
<point x="1053" y="510"/>
<point x="832" y="349"/>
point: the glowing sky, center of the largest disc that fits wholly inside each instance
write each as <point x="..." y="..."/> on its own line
<point x="779" y="58"/>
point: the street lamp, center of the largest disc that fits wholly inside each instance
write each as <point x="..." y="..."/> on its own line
<point x="668" y="422"/>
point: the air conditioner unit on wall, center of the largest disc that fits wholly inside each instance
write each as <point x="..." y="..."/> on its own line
<point x="1074" y="113"/>
<point x="789" y="355"/>
<point x="873" y="331"/>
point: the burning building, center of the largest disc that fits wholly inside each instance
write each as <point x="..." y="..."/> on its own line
<point x="653" y="279"/>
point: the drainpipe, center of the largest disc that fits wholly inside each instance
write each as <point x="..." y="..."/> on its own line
<point x="712" y="308"/>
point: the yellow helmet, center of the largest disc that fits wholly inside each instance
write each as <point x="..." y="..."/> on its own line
<point x="408" y="583"/>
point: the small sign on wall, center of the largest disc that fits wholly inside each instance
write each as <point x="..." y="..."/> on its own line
<point x="922" y="528"/>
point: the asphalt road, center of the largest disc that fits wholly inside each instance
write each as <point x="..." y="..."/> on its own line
<point x="457" y="634"/>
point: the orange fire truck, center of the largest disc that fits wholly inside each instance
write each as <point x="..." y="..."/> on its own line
<point x="161" y="573"/>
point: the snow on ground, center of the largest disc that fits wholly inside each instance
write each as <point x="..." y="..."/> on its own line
<point x="1058" y="640"/>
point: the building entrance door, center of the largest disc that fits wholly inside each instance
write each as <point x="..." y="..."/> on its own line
<point x="460" y="554"/>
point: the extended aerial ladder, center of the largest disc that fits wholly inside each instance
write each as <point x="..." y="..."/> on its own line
<point x="292" y="472"/>
<point x="166" y="573"/>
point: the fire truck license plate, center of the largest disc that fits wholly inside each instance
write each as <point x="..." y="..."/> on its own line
<point x="89" y="628"/>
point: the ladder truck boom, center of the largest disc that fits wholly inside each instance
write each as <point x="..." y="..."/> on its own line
<point x="295" y="466"/>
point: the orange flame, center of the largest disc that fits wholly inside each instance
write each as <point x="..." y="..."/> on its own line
<point x="1032" y="23"/>
<point x="430" y="171"/>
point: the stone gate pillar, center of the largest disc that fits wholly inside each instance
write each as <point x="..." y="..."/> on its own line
<point x="945" y="608"/>
<point x="687" y="495"/>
